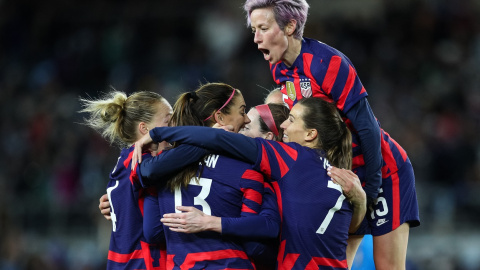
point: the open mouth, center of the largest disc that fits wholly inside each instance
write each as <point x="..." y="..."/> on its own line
<point x="266" y="53"/>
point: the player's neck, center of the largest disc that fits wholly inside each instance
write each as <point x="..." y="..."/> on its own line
<point x="293" y="51"/>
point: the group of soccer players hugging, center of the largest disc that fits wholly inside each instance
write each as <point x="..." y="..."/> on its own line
<point x="293" y="184"/>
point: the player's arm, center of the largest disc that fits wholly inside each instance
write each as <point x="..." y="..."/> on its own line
<point x="152" y="227"/>
<point x="215" y="140"/>
<point x="167" y="163"/>
<point x="264" y="225"/>
<point x="368" y="130"/>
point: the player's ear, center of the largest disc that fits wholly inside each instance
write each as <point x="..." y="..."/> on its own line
<point x="219" y="118"/>
<point x="142" y="128"/>
<point x="269" y="136"/>
<point x="290" y="27"/>
<point x="311" y="135"/>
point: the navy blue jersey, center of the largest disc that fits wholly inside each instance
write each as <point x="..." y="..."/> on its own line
<point x="315" y="215"/>
<point x="226" y="188"/>
<point x="128" y="248"/>
<point x="324" y="72"/>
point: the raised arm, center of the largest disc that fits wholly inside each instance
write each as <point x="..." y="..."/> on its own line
<point x="368" y="130"/>
<point x="216" y="140"/>
<point x="168" y="162"/>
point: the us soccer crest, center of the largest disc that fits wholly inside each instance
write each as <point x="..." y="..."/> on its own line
<point x="291" y="90"/>
<point x="305" y="87"/>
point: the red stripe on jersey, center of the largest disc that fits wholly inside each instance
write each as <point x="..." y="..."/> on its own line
<point x="276" y="187"/>
<point x="124" y="258"/>
<point x="331" y="74"/>
<point x="363" y="90"/>
<point x="147" y="257"/>
<point x="390" y="163"/>
<point x="170" y="264"/>
<point x="192" y="258"/>
<point x="281" y="163"/>
<point x="289" y="261"/>
<point x="163" y="259"/>
<point x="395" y="201"/>
<point x="357" y="161"/>
<point x="327" y="262"/>
<point x="346" y="89"/>
<point x="400" y="149"/>
<point x="296" y="83"/>
<point x="290" y="151"/>
<point x="273" y="72"/>
<point x="265" y="163"/>
<point x="252" y="175"/>
<point x="252" y="195"/>
<point x="246" y="209"/>
<point x="141" y="200"/>
<point x="126" y="162"/>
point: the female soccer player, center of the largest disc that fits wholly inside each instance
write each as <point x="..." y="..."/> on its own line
<point x="265" y="123"/>
<point x="122" y="120"/>
<point x="305" y="67"/>
<point x="218" y="186"/>
<point x="315" y="216"/>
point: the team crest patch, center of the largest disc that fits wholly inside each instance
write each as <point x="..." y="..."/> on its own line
<point x="291" y="90"/>
<point x="306" y="87"/>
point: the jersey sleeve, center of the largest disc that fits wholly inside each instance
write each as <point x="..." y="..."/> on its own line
<point x="264" y="225"/>
<point x="168" y="162"/>
<point x="251" y="184"/>
<point x="216" y="140"/>
<point x="152" y="227"/>
<point x="340" y="81"/>
<point x="275" y="159"/>
<point x="364" y="122"/>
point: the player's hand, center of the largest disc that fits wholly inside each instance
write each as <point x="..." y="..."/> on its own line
<point x="140" y="145"/>
<point x="191" y="220"/>
<point x="226" y="127"/>
<point x="104" y="207"/>
<point x="351" y="186"/>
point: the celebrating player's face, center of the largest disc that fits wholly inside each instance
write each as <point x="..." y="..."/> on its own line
<point x="294" y="127"/>
<point x="252" y="129"/>
<point x="237" y="116"/>
<point x="163" y="115"/>
<point x="271" y="40"/>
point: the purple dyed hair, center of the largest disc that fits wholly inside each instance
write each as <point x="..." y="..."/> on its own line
<point x="284" y="11"/>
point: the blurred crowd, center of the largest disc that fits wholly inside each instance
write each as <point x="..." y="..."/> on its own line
<point x="419" y="61"/>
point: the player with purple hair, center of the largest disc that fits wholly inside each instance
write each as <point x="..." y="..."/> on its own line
<point x="306" y="67"/>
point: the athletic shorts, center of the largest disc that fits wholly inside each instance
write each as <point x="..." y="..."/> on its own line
<point x="395" y="205"/>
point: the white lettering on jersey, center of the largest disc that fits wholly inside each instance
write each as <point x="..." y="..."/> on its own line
<point x="326" y="164"/>
<point x="211" y="161"/>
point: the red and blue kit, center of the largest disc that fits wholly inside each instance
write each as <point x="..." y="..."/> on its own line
<point x="314" y="214"/>
<point x="324" y="72"/>
<point x="128" y="247"/>
<point x="224" y="187"/>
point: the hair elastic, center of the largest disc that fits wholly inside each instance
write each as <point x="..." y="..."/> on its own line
<point x="228" y="100"/>
<point x="267" y="117"/>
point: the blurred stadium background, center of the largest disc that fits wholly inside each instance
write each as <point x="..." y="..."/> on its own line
<point x="418" y="59"/>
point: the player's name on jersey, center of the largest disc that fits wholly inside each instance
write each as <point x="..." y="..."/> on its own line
<point x="211" y="161"/>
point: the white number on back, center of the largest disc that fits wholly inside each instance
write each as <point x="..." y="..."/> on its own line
<point x="335" y="208"/>
<point x="112" y="212"/>
<point x="206" y="184"/>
